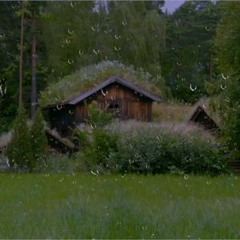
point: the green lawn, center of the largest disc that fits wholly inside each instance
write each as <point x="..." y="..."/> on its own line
<point x="89" y="206"/>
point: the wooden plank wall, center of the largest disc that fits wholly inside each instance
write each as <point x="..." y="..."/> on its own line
<point x="131" y="105"/>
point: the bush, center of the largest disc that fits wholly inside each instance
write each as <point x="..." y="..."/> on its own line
<point x="39" y="139"/>
<point x="150" y="150"/>
<point x="19" y="150"/>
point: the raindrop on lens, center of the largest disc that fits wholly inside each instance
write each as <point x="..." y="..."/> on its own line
<point x="192" y="88"/>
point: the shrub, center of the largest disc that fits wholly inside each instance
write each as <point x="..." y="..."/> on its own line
<point x="148" y="150"/>
<point x="39" y="139"/>
<point x="19" y="150"/>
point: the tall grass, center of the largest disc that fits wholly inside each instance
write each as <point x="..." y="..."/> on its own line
<point x="90" y="206"/>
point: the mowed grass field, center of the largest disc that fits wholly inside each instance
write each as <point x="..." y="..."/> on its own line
<point x="131" y="206"/>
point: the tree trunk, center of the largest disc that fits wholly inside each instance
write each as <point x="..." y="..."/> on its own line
<point x="21" y="57"/>
<point x="34" y="84"/>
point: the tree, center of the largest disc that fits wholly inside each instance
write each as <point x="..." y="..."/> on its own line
<point x="19" y="150"/>
<point x="131" y="32"/>
<point x="10" y="32"/>
<point x="225" y="89"/>
<point x="39" y="139"/>
<point x="187" y="65"/>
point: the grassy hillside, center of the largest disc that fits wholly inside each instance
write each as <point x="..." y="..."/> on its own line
<point x="90" y="206"/>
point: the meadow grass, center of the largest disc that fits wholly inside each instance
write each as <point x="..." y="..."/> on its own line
<point x="115" y="206"/>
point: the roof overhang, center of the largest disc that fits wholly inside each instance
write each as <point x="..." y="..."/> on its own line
<point x="115" y="79"/>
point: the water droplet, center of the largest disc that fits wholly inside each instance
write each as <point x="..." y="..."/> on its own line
<point x="117" y="48"/>
<point x="80" y="52"/>
<point x="93" y="29"/>
<point x="192" y="88"/>
<point x="103" y="93"/>
<point x="117" y="36"/>
<point x="59" y="107"/>
<point x="227" y="100"/>
<point x="204" y="106"/>
<point x="93" y="173"/>
<point x="186" y="177"/>
<point x="124" y="23"/>
<point x="67" y="41"/>
<point x="207" y="28"/>
<point x="96" y="51"/>
<point x="223" y="87"/>
<point x="70" y="32"/>
<point x="224" y="77"/>
<point x="70" y="61"/>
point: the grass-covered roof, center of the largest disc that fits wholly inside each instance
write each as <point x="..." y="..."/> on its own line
<point x="90" y="76"/>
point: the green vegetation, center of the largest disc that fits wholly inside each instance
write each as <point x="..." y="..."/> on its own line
<point x="225" y="88"/>
<point x="133" y="147"/>
<point x="89" y="76"/>
<point x="131" y="206"/>
<point x="38" y="135"/>
<point x="19" y="150"/>
<point x="28" y="144"/>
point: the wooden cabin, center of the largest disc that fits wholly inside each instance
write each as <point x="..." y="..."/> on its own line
<point x="118" y="96"/>
<point x="203" y="116"/>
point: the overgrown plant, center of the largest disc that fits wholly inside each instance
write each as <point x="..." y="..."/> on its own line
<point x="19" y="150"/>
<point x="39" y="139"/>
<point x="96" y="142"/>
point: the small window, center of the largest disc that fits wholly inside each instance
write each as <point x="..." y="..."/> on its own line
<point x="113" y="105"/>
<point x="114" y="108"/>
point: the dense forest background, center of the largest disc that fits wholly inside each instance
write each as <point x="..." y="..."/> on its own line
<point x="195" y="51"/>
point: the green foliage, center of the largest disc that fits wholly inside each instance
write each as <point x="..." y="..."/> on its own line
<point x="39" y="139"/>
<point x="152" y="151"/>
<point x="147" y="149"/>
<point x="97" y="117"/>
<point x="225" y="89"/>
<point x="188" y="62"/>
<point x="19" y="150"/>
<point x="130" y="32"/>
<point x="95" y="142"/>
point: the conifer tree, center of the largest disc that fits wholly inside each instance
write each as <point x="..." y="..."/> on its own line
<point x="19" y="150"/>
<point x="39" y="139"/>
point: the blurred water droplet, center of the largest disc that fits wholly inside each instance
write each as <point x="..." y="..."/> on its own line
<point x="80" y="52"/>
<point x="59" y="107"/>
<point x="186" y="177"/>
<point x="223" y="87"/>
<point x="117" y="48"/>
<point x="192" y="88"/>
<point x="70" y="61"/>
<point x="93" y="29"/>
<point x="70" y="32"/>
<point x="124" y="23"/>
<point x="227" y="100"/>
<point x="117" y="36"/>
<point x="96" y="51"/>
<point x="93" y="173"/>
<point x="67" y="41"/>
<point x="224" y="77"/>
<point x="61" y="180"/>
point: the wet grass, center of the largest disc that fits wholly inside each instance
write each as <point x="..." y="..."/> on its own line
<point x="88" y="206"/>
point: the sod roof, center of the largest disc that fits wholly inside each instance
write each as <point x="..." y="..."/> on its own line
<point x="92" y="77"/>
